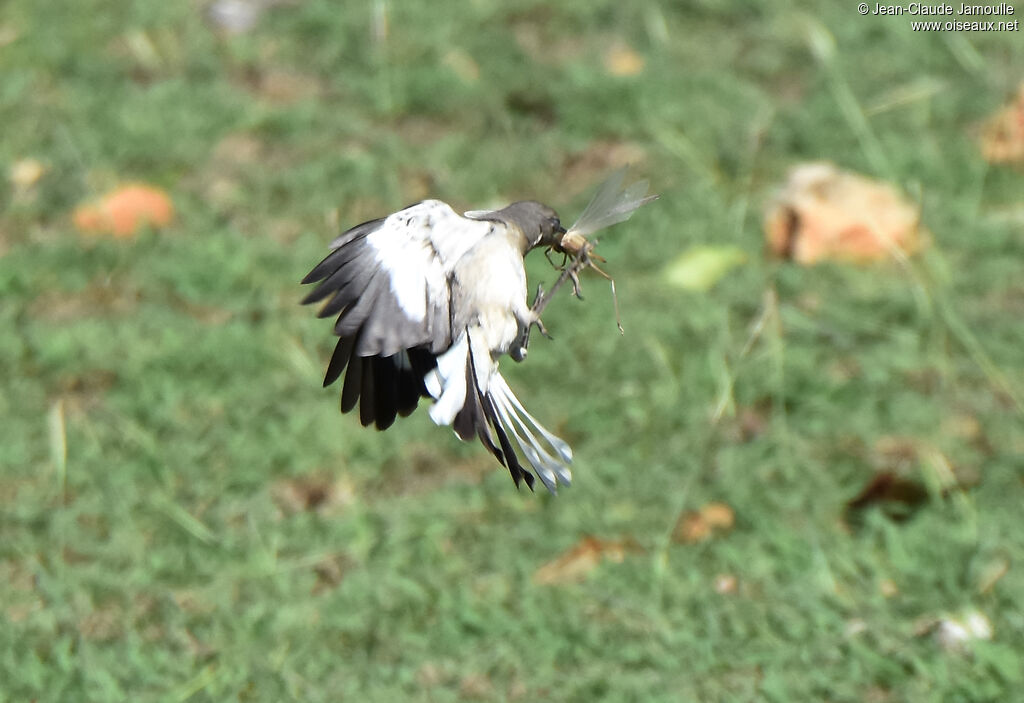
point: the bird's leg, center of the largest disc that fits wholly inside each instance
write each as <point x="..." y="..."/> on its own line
<point x="569" y="272"/>
<point x="535" y="310"/>
<point x="526" y="322"/>
<point x="541" y="300"/>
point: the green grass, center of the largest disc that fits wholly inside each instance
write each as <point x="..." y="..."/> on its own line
<point x="166" y="555"/>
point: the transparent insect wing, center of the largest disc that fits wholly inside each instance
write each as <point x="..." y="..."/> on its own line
<point x="612" y="204"/>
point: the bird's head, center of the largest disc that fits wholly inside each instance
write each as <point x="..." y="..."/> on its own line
<point x="538" y="223"/>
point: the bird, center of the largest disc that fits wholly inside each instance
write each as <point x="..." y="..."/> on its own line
<point x="427" y="303"/>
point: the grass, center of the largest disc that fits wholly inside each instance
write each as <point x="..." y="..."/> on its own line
<point x="185" y="515"/>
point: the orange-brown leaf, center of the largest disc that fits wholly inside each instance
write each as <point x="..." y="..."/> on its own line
<point x="574" y="565"/>
<point x="124" y="211"/>
<point x="825" y="213"/>
<point x="694" y="526"/>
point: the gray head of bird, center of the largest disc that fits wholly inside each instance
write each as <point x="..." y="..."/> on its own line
<point x="538" y="223"/>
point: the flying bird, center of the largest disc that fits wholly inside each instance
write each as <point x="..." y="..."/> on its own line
<point x="428" y="300"/>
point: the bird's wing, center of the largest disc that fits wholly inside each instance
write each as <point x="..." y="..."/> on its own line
<point x="388" y="279"/>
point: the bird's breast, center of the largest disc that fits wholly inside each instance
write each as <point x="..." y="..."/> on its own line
<point x="490" y="291"/>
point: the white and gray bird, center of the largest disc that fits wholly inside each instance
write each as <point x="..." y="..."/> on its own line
<point x="428" y="301"/>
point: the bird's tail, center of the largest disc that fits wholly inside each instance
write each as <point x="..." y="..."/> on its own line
<point x="471" y="395"/>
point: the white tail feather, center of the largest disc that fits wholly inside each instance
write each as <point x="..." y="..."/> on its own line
<point x="549" y="455"/>
<point x="446" y="383"/>
<point x="550" y="469"/>
<point x="559" y="445"/>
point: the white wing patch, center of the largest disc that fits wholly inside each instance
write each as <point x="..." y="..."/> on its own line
<point x="418" y="248"/>
<point x="388" y="280"/>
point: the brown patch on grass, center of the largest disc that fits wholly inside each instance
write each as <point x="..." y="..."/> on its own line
<point x="221" y="181"/>
<point x="581" y="170"/>
<point x="422" y="468"/>
<point x="927" y="380"/>
<point x="21" y="584"/>
<point x="321" y="493"/>
<point x="234" y="170"/>
<point x="576" y="563"/>
<point x="530" y="103"/>
<point x="237" y="150"/>
<point x="206" y="314"/>
<point x="105" y="623"/>
<point x="888" y="488"/>
<point x="1002" y="136"/>
<point x="422" y="129"/>
<point x="694" y="526"/>
<point x="476" y="687"/>
<point x="84" y="392"/>
<point x="330" y="571"/>
<point x="100" y="297"/>
<point x="282" y="86"/>
<point x="750" y="422"/>
<point x="192" y="602"/>
<point x="531" y="30"/>
<point x="895" y="454"/>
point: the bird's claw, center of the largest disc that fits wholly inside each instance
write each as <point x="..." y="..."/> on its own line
<point x="521" y="344"/>
<point x="539" y="301"/>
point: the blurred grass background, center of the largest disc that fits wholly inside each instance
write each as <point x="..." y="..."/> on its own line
<point x="184" y="515"/>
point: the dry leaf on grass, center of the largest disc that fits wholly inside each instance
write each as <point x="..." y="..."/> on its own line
<point x="901" y="495"/>
<point x="25" y="173"/>
<point x="825" y="213"/>
<point x="1002" y="136"/>
<point x="621" y="60"/>
<point x="319" y="493"/>
<point x="694" y="526"/>
<point x="124" y="211"/>
<point x="907" y="473"/>
<point x="576" y="563"/>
